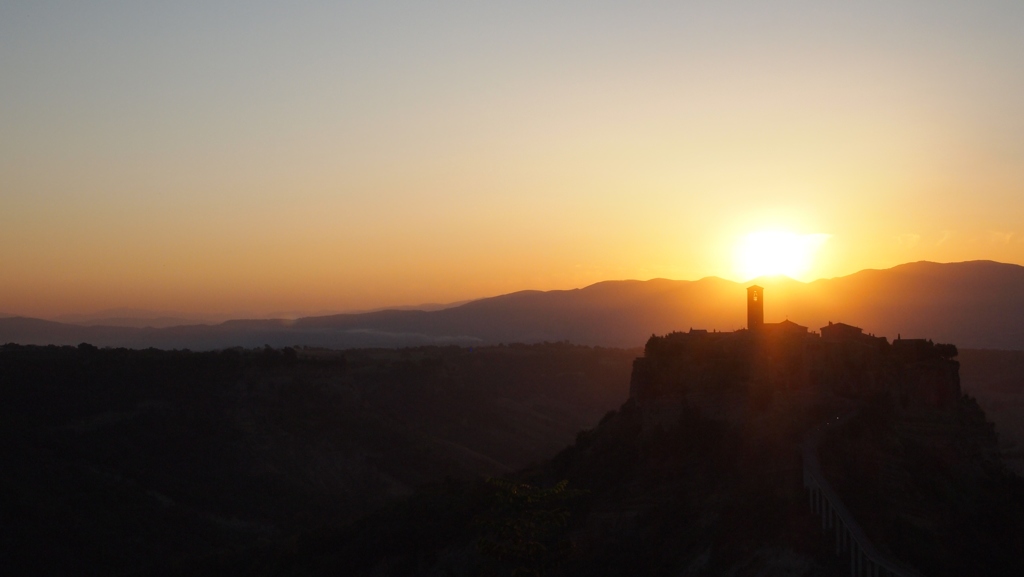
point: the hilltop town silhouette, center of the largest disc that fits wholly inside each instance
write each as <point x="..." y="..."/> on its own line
<point x="785" y="356"/>
<point x="733" y="376"/>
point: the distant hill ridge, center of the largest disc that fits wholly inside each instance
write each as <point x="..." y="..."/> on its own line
<point x="975" y="304"/>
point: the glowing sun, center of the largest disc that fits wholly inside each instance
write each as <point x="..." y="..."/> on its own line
<point x="777" y="252"/>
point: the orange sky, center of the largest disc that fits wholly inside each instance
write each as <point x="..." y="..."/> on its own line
<point x="243" y="158"/>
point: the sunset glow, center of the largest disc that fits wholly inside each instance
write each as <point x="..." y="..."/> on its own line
<point x="214" y="158"/>
<point x="766" y="253"/>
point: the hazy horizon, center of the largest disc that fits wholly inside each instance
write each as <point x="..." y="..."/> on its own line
<point x="127" y="313"/>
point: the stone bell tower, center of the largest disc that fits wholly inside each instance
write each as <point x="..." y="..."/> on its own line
<point x="755" y="307"/>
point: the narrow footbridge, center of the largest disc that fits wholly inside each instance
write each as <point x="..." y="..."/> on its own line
<point x="865" y="559"/>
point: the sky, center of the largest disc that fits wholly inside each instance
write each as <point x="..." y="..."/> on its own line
<point x="257" y="157"/>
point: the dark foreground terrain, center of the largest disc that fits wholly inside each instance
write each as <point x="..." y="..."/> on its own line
<point x="697" y="497"/>
<point x="116" y="460"/>
<point x="438" y="461"/>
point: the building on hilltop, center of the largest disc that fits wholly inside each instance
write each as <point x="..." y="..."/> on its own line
<point x="839" y="332"/>
<point x="786" y="327"/>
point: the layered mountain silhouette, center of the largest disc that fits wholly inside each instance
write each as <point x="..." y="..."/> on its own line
<point x="974" y="304"/>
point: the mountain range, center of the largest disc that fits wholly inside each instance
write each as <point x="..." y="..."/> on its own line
<point x="976" y="304"/>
